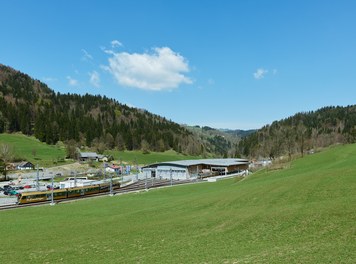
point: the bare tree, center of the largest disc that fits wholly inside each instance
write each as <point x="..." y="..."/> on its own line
<point x="71" y="149"/>
<point x="119" y="141"/>
<point x="290" y="138"/>
<point x="109" y="141"/>
<point x="145" y="147"/>
<point x="301" y="136"/>
<point x="6" y="155"/>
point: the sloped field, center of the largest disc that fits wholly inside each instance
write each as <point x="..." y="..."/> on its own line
<point x="305" y="214"/>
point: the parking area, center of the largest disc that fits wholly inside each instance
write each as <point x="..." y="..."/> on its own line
<point x="9" y="189"/>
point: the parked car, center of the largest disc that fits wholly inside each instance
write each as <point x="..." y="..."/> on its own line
<point x="8" y="188"/>
<point x="27" y="186"/>
<point x="11" y="192"/>
<point x="49" y="187"/>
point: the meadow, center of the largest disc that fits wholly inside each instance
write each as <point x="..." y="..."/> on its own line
<point x="31" y="149"/>
<point x="302" y="214"/>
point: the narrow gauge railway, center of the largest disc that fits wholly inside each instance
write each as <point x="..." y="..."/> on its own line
<point x="61" y="194"/>
<point x="134" y="187"/>
<point x="150" y="184"/>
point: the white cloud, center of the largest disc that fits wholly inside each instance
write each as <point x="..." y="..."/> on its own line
<point x="86" y="55"/>
<point x="260" y="73"/>
<point x="115" y="43"/>
<point x="94" y="79"/>
<point x="72" y="82"/>
<point x="107" y="51"/>
<point x="163" y="69"/>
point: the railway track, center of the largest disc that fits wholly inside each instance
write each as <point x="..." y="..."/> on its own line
<point x="134" y="187"/>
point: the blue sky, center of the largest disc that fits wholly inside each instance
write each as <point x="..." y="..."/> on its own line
<point x="224" y="64"/>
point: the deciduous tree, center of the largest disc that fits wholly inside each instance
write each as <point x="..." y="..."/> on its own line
<point x="6" y="155"/>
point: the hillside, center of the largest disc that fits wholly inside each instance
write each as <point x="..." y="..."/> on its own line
<point x="238" y="132"/>
<point x="30" y="149"/>
<point x="44" y="155"/>
<point x="302" y="132"/>
<point x="30" y="107"/>
<point x="304" y="214"/>
<point x="223" y="142"/>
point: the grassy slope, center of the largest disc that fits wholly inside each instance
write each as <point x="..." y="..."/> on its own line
<point x="23" y="147"/>
<point x="46" y="155"/>
<point x="305" y="214"/>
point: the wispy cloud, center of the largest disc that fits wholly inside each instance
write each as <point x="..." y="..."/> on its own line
<point x="115" y="43"/>
<point x="260" y="73"/>
<point x="86" y="56"/>
<point x="72" y="82"/>
<point x="49" y="79"/>
<point x="162" y="69"/>
<point x="94" y="79"/>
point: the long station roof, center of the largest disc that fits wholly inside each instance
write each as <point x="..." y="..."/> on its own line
<point x="208" y="162"/>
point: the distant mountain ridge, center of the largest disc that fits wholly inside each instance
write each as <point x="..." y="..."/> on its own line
<point x="221" y="141"/>
<point x="238" y="132"/>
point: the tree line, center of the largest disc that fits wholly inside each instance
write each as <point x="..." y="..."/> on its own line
<point x="98" y="122"/>
<point x="302" y="132"/>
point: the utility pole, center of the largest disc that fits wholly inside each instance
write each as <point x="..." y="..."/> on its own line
<point x="136" y="170"/>
<point x="196" y="179"/>
<point x="170" y="173"/>
<point x="75" y="179"/>
<point x="104" y="171"/>
<point x="52" y="187"/>
<point x="111" y="190"/>
<point x="38" y="179"/>
<point x="146" y="180"/>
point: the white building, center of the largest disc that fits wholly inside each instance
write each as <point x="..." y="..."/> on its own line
<point x="76" y="183"/>
<point x="113" y="169"/>
<point x="187" y="169"/>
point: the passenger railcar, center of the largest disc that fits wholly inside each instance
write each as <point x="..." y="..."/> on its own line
<point x="42" y="196"/>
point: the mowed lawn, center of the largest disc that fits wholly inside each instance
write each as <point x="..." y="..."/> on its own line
<point x="305" y="214"/>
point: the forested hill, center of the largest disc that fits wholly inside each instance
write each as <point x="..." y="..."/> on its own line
<point x="30" y="107"/>
<point x="220" y="141"/>
<point x="302" y="132"/>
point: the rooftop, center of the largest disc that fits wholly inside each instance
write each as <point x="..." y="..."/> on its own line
<point x="211" y="162"/>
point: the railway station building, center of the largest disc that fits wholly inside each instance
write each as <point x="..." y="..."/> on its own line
<point x="192" y="169"/>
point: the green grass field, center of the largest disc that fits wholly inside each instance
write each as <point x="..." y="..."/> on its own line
<point x="304" y="214"/>
<point x="47" y="155"/>
<point x="25" y="147"/>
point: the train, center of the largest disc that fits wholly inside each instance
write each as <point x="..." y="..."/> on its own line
<point x="61" y="194"/>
